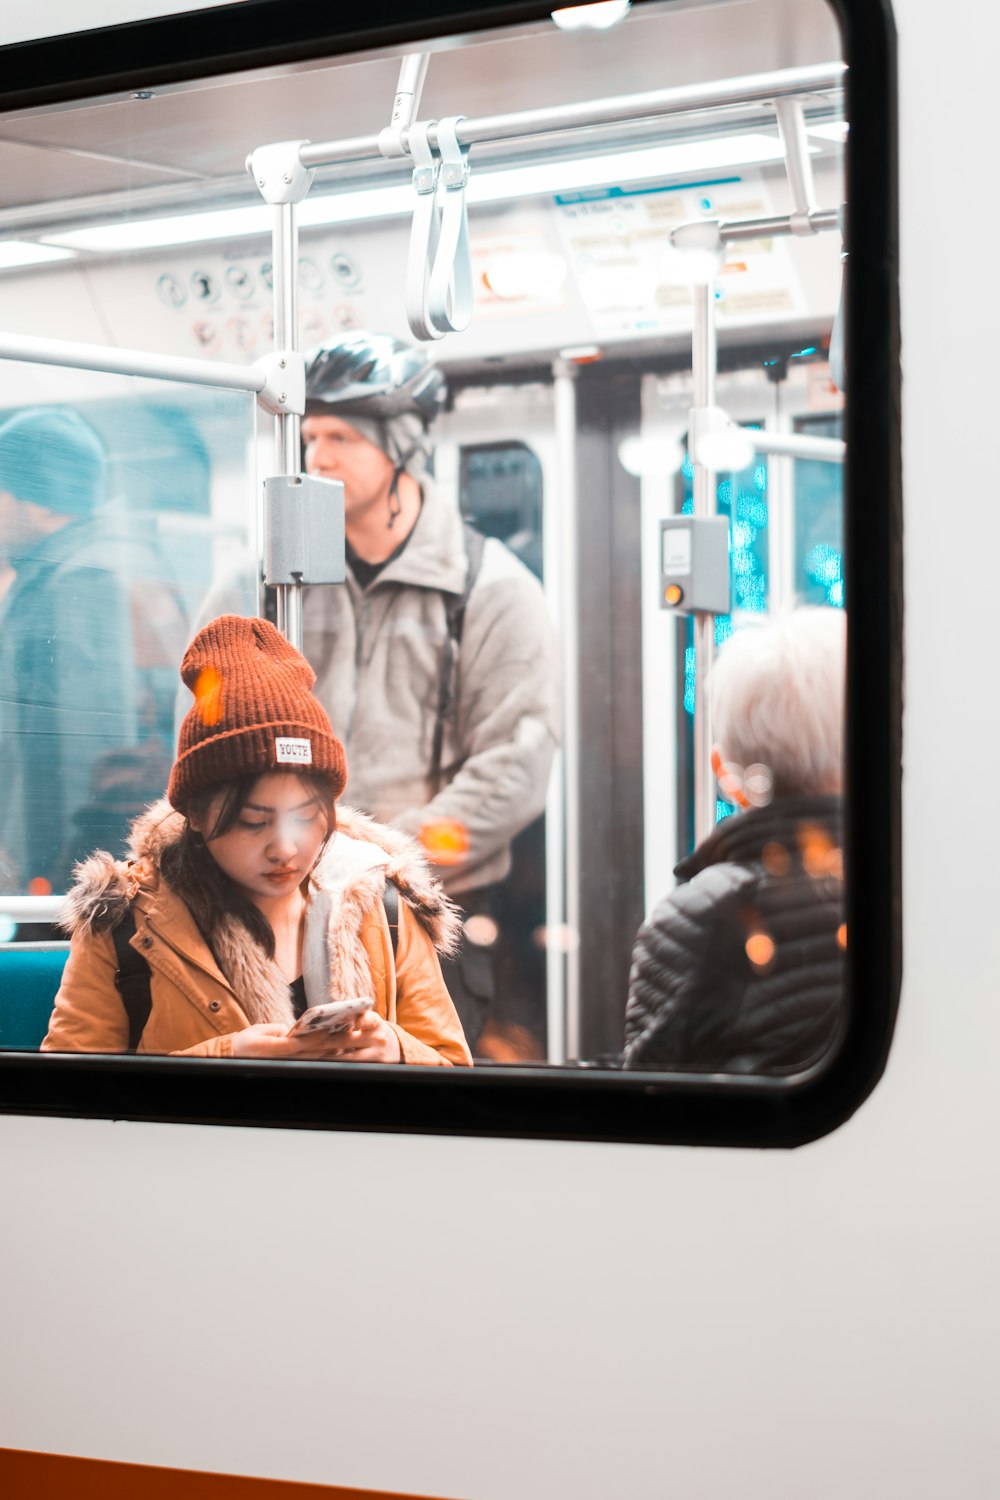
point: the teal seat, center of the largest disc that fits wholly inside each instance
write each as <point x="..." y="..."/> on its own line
<point x="30" y="974"/>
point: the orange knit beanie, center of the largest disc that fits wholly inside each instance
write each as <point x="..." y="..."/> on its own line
<point x="253" y="711"/>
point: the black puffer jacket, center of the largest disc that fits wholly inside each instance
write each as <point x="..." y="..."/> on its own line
<point x="741" y="968"/>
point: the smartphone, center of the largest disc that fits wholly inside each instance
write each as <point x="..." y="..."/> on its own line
<point x="338" y="1015"/>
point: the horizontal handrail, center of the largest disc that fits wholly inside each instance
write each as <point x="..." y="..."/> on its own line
<point x="751" y="88"/>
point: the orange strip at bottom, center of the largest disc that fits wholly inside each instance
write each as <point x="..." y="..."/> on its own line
<point x="53" y="1476"/>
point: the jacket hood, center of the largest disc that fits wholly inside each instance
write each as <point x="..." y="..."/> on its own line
<point x="358" y="860"/>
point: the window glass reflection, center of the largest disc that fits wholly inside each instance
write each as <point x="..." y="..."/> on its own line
<point x="514" y="688"/>
<point x="106" y="536"/>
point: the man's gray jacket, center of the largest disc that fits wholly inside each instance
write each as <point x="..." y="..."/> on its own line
<point x="377" y="655"/>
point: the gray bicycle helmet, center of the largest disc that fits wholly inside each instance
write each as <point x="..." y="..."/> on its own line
<point x="373" y="375"/>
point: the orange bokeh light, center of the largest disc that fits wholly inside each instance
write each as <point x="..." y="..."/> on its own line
<point x="208" y="695"/>
<point x="760" y="949"/>
<point x="842" y="935"/>
<point x="446" y="841"/>
<point x="39" y="886"/>
<point x="776" y="859"/>
<point x="481" y="930"/>
<point x="817" y="849"/>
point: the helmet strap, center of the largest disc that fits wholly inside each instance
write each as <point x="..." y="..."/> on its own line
<point x="395" y="504"/>
<point x="399" y="468"/>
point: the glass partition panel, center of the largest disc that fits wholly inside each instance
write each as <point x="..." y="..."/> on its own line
<point x="122" y="499"/>
<point x="587" y="664"/>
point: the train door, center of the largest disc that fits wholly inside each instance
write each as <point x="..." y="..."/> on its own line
<point x="537" y="463"/>
<point x="496" y="451"/>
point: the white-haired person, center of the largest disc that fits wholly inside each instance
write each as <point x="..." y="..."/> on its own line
<point x="740" y="969"/>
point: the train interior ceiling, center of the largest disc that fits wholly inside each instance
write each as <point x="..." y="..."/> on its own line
<point x="132" y="222"/>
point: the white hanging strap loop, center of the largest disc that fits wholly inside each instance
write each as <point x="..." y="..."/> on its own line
<point x="449" y="294"/>
<point x="423" y="232"/>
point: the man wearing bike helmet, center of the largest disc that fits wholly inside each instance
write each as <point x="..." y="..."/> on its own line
<point x="436" y="661"/>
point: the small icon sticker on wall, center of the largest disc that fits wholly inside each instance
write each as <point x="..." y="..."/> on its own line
<point x="242" y="334"/>
<point x="346" y="270"/>
<point x="240" y="282"/>
<point x="204" y="286"/>
<point x="266" y="274"/>
<point x="206" y="335"/>
<point x="171" y="291"/>
<point x="310" y="275"/>
<point x="312" y="327"/>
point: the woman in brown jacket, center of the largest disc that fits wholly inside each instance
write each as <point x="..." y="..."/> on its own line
<point x="252" y="898"/>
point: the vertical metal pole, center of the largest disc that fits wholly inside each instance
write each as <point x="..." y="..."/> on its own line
<point x="703" y="363"/>
<point x="780" y="515"/>
<point x="660" y="719"/>
<point x="564" y="986"/>
<point x="412" y="73"/>
<point x="798" y="162"/>
<point x="285" y="262"/>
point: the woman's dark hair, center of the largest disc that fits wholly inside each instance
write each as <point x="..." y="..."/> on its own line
<point x="206" y="889"/>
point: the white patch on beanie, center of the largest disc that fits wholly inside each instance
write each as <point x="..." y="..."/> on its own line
<point x="292" y="752"/>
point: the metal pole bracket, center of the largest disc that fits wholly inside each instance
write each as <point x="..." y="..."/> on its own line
<point x="283" y="390"/>
<point x="278" y="172"/>
<point x="798" y="162"/>
<point x="412" y="73"/>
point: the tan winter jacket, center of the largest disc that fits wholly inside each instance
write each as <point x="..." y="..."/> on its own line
<point x="196" y="992"/>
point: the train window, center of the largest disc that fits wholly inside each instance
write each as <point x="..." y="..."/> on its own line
<point x="504" y="374"/>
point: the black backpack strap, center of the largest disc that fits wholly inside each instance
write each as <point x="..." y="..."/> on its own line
<point x="132" y="979"/>
<point x="454" y="609"/>
<point x="390" y="900"/>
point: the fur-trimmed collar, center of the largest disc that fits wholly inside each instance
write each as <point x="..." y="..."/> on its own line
<point x="346" y="887"/>
<point x="103" y="886"/>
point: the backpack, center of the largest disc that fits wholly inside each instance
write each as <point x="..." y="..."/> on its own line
<point x="454" y="609"/>
<point x="132" y="977"/>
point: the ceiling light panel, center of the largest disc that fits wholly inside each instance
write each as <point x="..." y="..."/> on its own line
<point x="26" y="253"/>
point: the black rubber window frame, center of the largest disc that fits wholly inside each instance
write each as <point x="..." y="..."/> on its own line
<point x="589" y="1105"/>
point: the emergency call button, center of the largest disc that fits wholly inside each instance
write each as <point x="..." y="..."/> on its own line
<point x="694" y="564"/>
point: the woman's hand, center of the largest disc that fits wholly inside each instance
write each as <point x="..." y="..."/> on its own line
<point x="371" y="1040"/>
<point x="270" y="1040"/>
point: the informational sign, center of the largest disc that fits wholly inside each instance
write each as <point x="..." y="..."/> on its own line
<point x="517" y="272"/>
<point x="633" y="281"/>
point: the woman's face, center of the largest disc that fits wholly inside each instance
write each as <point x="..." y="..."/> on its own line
<point x="275" y="840"/>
